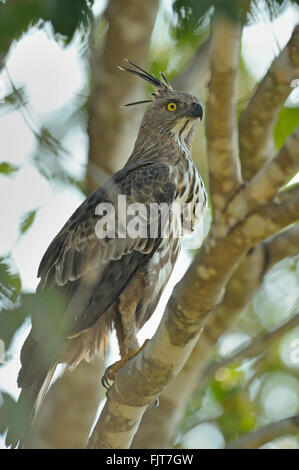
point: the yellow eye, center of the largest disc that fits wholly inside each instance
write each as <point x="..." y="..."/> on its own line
<point x="172" y="106"/>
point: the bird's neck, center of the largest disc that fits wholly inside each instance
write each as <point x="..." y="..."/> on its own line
<point x="162" y="144"/>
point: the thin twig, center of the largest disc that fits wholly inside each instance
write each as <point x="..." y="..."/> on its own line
<point x="255" y="347"/>
<point x="267" y="433"/>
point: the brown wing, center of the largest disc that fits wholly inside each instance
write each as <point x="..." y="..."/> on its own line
<point x="90" y="272"/>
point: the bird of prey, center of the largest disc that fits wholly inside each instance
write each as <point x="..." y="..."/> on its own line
<point x="107" y="282"/>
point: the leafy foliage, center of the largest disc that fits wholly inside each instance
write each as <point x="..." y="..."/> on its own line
<point x="236" y="398"/>
<point x="10" y="289"/>
<point x="287" y="122"/>
<point x="192" y="14"/>
<point x="10" y="282"/>
<point x="10" y="411"/>
<point x="41" y="307"/>
<point x="10" y="321"/>
<point x="7" y="168"/>
<point x="65" y="16"/>
<point x="27" y="221"/>
<point x="7" y="410"/>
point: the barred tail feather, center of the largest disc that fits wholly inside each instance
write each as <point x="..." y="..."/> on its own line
<point x="34" y="379"/>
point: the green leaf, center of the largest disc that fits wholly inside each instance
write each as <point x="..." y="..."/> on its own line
<point x="27" y="221"/>
<point x="46" y="311"/>
<point x="287" y="122"/>
<point x="10" y="322"/>
<point x="10" y="281"/>
<point x="8" y="411"/>
<point x="7" y="169"/>
<point x="15" y="19"/>
<point x="65" y="17"/>
<point x="192" y="14"/>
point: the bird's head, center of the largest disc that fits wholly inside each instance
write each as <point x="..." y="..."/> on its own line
<point x="170" y="112"/>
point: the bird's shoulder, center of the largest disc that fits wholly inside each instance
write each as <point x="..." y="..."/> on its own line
<point x="151" y="182"/>
<point x="77" y="246"/>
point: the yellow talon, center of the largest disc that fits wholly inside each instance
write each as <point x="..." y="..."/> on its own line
<point x="112" y="370"/>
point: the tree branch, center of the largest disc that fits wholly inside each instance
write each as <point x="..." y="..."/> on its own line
<point x="267" y="181"/>
<point x="202" y="288"/>
<point x="194" y="75"/>
<point x="220" y="123"/>
<point x="267" y="433"/>
<point x="275" y="213"/>
<point x="158" y="426"/>
<point x="136" y="386"/>
<point x="255" y="347"/>
<point x="200" y="291"/>
<point x="130" y="26"/>
<point x="258" y="119"/>
<point x="282" y="245"/>
<point x="242" y="286"/>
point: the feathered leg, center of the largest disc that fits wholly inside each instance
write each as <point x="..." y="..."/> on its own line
<point x="125" y="326"/>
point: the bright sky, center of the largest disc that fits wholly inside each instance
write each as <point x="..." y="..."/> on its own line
<point x="53" y="76"/>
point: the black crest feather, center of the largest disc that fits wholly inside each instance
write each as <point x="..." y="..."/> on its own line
<point x="162" y="86"/>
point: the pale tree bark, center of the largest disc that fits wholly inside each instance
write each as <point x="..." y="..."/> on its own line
<point x="258" y="120"/>
<point x="238" y="228"/>
<point x="263" y="186"/>
<point x="221" y="134"/>
<point x="142" y="378"/>
<point x="267" y="433"/>
<point x="159" y="426"/>
<point x="194" y="77"/>
<point x="112" y="129"/>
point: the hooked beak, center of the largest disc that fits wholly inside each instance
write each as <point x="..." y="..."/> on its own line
<point x="196" y="110"/>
